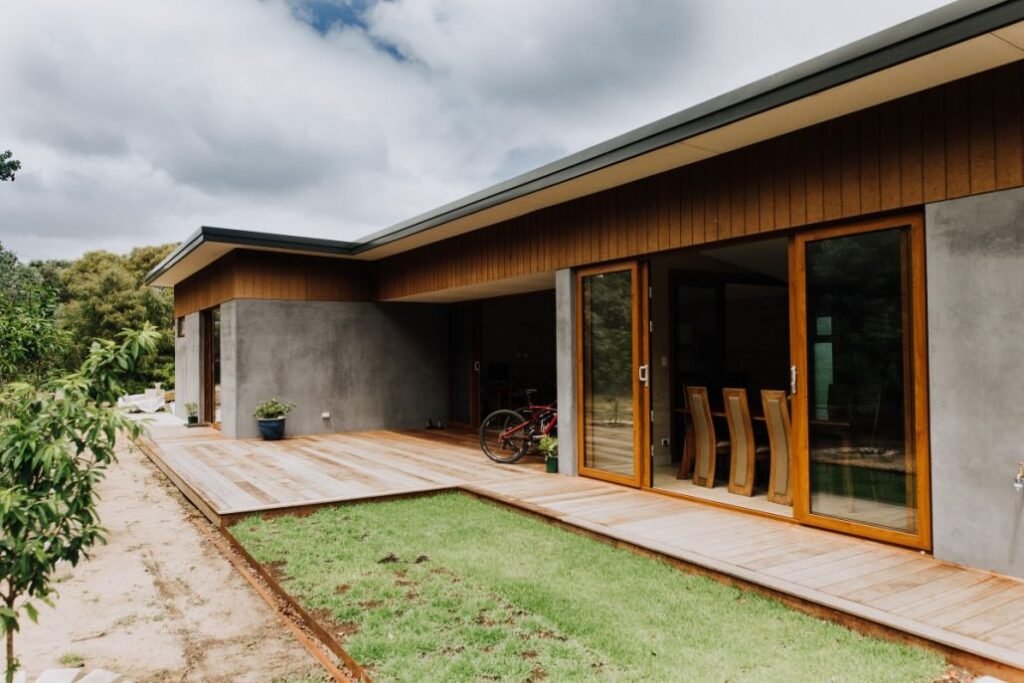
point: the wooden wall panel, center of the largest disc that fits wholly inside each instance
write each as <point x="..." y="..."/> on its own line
<point x="951" y="141"/>
<point x="248" y="274"/>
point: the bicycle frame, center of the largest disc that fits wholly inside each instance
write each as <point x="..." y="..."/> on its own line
<point x="538" y="416"/>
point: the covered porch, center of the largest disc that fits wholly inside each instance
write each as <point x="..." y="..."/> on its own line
<point x="975" y="617"/>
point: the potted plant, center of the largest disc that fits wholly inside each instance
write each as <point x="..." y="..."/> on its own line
<point x="270" y="417"/>
<point x="192" y="410"/>
<point x="549" y="447"/>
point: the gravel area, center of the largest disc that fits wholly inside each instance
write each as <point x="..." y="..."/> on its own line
<point x="159" y="602"/>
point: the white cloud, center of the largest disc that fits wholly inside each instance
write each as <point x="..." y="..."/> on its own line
<point x="136" y="122"/>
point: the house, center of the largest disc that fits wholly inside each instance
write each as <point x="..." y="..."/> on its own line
<point x="849" y="231"/>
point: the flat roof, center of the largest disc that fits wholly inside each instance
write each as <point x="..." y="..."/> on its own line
<point x="951" y="42"/>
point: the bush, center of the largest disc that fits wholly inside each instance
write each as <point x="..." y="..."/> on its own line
<point x="272" y="410"/>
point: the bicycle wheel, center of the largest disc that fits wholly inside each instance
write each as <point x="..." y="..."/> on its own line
<point x="505" y="436"/>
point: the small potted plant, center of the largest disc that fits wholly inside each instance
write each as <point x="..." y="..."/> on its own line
<point x="549" y="447"/>
<point x="192" y="410"/>
<point x="270" y="417"/>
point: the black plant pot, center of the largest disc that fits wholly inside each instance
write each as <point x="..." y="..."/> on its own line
<point x="271" y="429"/>
<point x="193" y="419"/>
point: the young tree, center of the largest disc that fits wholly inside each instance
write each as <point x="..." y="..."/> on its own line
<point x="56" y="441"/>
<point x="8" y="166"/>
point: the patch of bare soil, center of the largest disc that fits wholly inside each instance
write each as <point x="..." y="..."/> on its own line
<point x="160" y="602"/>
<point x="955" y="674"/>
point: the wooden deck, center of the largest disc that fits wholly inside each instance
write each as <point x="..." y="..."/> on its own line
<point x="975" y="616"/>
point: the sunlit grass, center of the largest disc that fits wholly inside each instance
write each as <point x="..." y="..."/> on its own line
<point x="447" y="588"/>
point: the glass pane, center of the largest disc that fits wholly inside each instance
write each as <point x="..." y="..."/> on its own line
<point x="608" y="372"/>
<point x="860" y="403"/>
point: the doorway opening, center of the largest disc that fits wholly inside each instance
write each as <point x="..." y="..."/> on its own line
<point x="209" y="332"/>
<point x="720" y="340"/>
<point x="499" y="348"/>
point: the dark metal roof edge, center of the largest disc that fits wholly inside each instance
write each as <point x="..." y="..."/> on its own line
<point x="248" y="238"/>
<point x="943" y="27"/>
<point x="932" y="31"/>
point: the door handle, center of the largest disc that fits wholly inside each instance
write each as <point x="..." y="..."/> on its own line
<point x="642" y="372"/>
<point x="476" y="366"/>
<point x="792" y="380"/>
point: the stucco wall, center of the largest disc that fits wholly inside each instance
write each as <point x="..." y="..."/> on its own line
<point x="187" y="366"/>
<point x="975" y="262"/>
<point x="369" y="365"/>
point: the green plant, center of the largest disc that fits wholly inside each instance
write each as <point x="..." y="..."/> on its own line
<point x="272" y="410"/>
<point x="549" y="447"/>
<point x="72" y="660"/>
<point x="56" y="440"/>
<point x="192" y="408"/>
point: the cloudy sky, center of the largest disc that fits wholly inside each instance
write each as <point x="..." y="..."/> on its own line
<point x="137" y="122"/>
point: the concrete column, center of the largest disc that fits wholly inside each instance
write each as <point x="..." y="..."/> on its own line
<point x="229" y="417"/>
<point x="187" y="365"/>
<point x="565" y="347"/>
<point x="975" y="263"/>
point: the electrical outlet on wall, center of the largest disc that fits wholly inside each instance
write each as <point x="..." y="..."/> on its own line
<point x="664" y="442"/>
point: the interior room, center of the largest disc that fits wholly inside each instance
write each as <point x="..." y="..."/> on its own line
<point x="499" y="348"/>
<point x="720" y="323"/>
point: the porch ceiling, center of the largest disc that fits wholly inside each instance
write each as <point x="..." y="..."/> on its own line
<point x="520" y="285"/>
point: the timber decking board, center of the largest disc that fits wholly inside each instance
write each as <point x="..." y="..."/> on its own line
<point x="968" y="610"/>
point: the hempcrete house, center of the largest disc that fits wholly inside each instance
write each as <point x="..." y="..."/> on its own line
<point x="831" y="259"/>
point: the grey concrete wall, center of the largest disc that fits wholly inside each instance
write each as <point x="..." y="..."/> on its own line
<point x="975" y="262"/>
<point x="565" y="350"/>
<point x="187" y="365"/>
<point x="229" y="416"/>
<point x="369" y="365"/>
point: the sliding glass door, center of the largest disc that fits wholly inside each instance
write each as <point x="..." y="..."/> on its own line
<point x="613" y="372"/>
<point x="860" y="407"/>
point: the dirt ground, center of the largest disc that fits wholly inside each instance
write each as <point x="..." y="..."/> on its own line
<point x="159" y="602"/>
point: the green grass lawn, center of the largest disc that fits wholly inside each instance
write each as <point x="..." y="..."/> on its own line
<point x="448" y="588"/>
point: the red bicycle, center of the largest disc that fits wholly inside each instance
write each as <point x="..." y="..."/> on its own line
<point x="507" y="435"/>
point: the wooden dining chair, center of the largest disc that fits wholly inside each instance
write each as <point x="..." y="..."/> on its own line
<point x="776" y="414"/>
<point x="744" y="451"/>
<point x="707" y="448"/>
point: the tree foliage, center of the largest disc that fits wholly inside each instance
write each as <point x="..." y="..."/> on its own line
<point x="105" y="293"/>
<point x="32" y="345"/>
<point x="56" y="440"/>
<point x="610" y="333"/>
<point x="51" y="311"/>
<point x="8" y="165"/>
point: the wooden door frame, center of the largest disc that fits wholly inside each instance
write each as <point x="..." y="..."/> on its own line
<point x="640" y="353"/>
<point x="918" y="354"/>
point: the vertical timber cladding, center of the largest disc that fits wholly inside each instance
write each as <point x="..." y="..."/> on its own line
<point x="955" y="140"/>
<point x="250" y="274"/>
